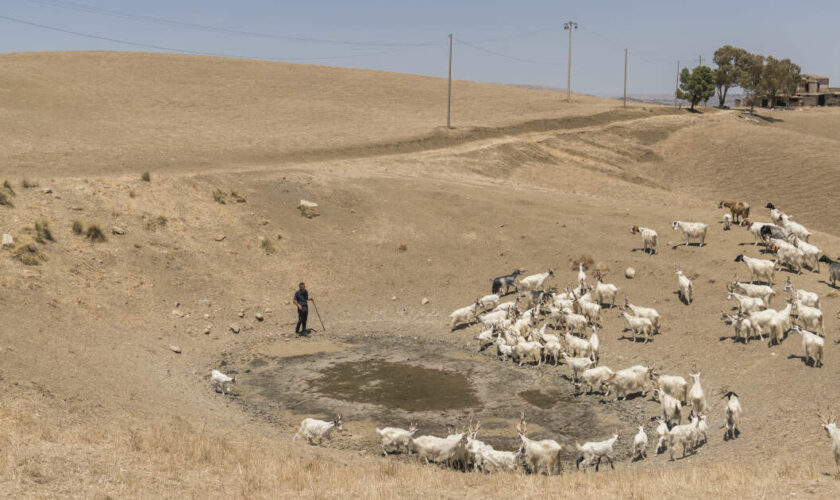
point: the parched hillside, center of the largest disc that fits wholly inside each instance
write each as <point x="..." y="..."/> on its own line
<point x="203" y="261"/>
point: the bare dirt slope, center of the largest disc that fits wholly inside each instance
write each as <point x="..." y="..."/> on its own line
<point x="98" y="404"/>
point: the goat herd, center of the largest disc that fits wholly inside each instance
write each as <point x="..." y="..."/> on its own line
<point x="513" y="329"/>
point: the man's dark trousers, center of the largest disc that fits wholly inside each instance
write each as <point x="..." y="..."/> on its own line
<point x="301" y="324"/>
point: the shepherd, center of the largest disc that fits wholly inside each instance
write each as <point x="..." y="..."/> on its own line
<point x="301" y="301"/>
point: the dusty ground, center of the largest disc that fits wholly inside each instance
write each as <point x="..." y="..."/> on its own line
<point x="97" y="404"/>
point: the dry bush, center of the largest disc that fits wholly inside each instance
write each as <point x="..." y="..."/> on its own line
<point x="26" y="184"/>
<point x="146" y="177"/>
<point x="94" y="233"/>
<point x="220" y="196"/>
<point x="77" y="227"/>
<point x="267" y="246"/>
<point x="28" y="253"/>
<point x="8" y="187"/>
<point x="586" y="260"/>
<point x="237" y="197"/>
<point x="42" y="231"/>
<point x="6" y="199"/>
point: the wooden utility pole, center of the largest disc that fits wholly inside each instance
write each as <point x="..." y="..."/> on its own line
<point x="569" y="25"/>
<point x="625" y="78"/>
<point x="701" y="60"/>
<point x="677" y="87"/>
<point x="449" y="88"/>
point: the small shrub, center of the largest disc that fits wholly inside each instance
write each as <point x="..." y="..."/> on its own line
<point x="161" y="220"/>
<point x="146" y="177"/>
<point x="586" y="260"/>
<point x="8" y="187"/>
<point x="132" y="194"/>
<point x="6" y="199"/>
<point x="219" y="196"/>
<point x="42" y="231"/>
<point x="94" y="233"/>
<point x="26" y="184"/>
<point x="77" y="227"/>
<point x="237" y="197"/>
<point x="28" y="253"/>
<point x="267" y="246"/>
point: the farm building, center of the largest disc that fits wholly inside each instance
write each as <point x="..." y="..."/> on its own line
<point x="813" y="90"/>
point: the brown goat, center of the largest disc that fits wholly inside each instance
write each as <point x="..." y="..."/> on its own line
<point x="738" y="208"/>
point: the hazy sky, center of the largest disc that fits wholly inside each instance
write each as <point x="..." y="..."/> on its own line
<point x="657" y="34"/>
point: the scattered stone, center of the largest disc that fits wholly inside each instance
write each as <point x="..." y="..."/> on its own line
<point x="47" y="190"/>
<point x="207" y="330"/>
<point x="177" y="304"/>
<point x="8" y="241"/>
<point x="263" y="222"/>
<point x="424" y="301"/>
<point x="234" y="328"/>
<point x="175" y="349"/>
<point x="279" y="236"/>
<point x="308" y="209"/>
<point x="259" y="316"/>
<point x="241" y="314"/>
<point x="403" y="247"/>
<point x="629" y="273"/>
<point x="394" y="297"/>
<point x="268" y="310"/>
<point x="220" y="237"/>
<point x="178" y="313"/>
<point x="117" y="230"/>
<point x="204" y="302"/>
<point x="206" y="315"/>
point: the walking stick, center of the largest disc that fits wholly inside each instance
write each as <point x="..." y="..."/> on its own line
<point x="324" y="328"/>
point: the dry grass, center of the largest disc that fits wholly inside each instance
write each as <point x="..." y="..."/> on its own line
<point x="178" y="459"/>
<point x="237" y="197"/>
<point x="6" y="199"/>
<point x="220" y="196"/>
<point x="26" y="184"/>
<point x="94" y="233"/>
<point x="8" y="187"/>
<point x="28" y="253"/>
<point x="77" y="227"/>
<point x="42" y="231"/>
<point x="146" y="177"/>
<point x="267" y="246"/>
<point x="586" y="260"/>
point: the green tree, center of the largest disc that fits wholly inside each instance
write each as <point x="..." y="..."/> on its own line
<point x="727" y="72"/>
<point x="696" y="85"/>
<point x="780" y="76"/>
<point x="750" y="71"/>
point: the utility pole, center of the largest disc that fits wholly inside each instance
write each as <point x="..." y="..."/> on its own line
<point x="569" y="25"/>
<point x="625" y="78"/>
<point x="677" y="88"/>
<point x="701" y="60"/>
<point x="449" y="88"/>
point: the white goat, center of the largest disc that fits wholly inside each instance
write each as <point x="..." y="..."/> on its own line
<point x="791" y="257"/>
<point x="781" y="323"/>
<point x="662" y="431"/>
<point x="742" y="326"/>
<point x="553" y="349"/>
<point x="577" y="346"/>
<point x="507" y="306"/>
<point x="733" y="416"/>
<point x="486" y="338"/>
<point x="761" y="320"/>
<point x="604" y="293"/>
<point x="686" y="287"/>
<point x="795" y="228"/>
<point x="755" y="229"/>
<point x="760" y="269"/>
<point x="811" y="299"/>
<point x="313" y="429"/>
<point x="672" y="385"/>
<point x="595" y="344"/>
<point x="539" y="455"/>
<point x="811" y="318"/>
<point x="811" y="252"/>
<point x="524" y="350"/>
<point x="650" y="239"/>
<point x="441" y="450"/>
<point x="640" y="442"/>
<point x="696" y="396"/>
<point x="764" y="292"/>
<point x="813" y="345"/>
<point x="489" y="301"/>
<point x="747" y="304"/>
<point x="689" y="230"/>
<point x="830" y="426"/>
<point x="463" y="315"/>
<point x="727" y="221"/>
<point x="590" y="310"/>
<point x="644" y="312"/>
<point x="221" y="381"/>
<point x="629" y="381"/>
<point x="395" y="438"/>
<point x="592" y="378"/>
<point x="502" y="349"/>
<point x="593" y="452"/>
<point x="535" y="281"/>
<point x="638" y="325"/>
<point x="683" y="435"/>
<point x="574" y="322"/>
<point x="577" y="365"/>
<point x="671" y="408"/>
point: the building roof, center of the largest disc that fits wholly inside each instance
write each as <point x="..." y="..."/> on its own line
<point x="813" y="77"/>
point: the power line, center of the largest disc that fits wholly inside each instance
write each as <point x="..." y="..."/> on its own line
<point x="188" y="51"/>
<point x="506" y="56"/>
<point x="217" y="29"/>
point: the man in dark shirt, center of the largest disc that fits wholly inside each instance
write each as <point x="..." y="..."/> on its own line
<point x="301" y="301"/>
